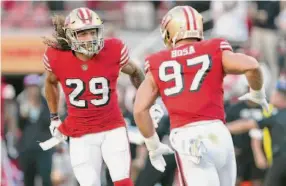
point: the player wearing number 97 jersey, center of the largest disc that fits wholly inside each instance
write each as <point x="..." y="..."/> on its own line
<point x="190" y="78"/>
<point x="188" y="75"/>
<point x="87" y="67"/>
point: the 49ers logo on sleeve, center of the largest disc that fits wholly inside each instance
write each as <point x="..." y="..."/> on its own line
<point x="84" y="15"/>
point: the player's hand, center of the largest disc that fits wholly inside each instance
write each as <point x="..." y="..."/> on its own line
<point x="156" y="156"/>
<point x="257" y="97"/>
<point x="156" y="113"/>
<point x="54" y="129"/>
<point x="156" y="151"/>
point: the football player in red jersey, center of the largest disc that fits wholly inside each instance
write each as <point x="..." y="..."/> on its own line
<point x="87" y="67"/>
<point x="188" y="75"/>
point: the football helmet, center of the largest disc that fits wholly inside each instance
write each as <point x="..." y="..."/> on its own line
<point x="81" y="19"/>
<point x="181" y="22"/>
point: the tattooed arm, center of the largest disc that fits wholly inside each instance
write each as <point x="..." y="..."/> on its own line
<point x="135" y="73"/>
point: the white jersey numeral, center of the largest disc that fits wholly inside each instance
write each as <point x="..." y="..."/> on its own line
<point x="98" y="86"/>
<point x="200" y="75"/>
<point x="177" y="74"/>
<point x="79" y="88"/>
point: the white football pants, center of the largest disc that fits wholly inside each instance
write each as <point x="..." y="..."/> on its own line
<point x="88" y="152"/>
<point x="205" y="154"/>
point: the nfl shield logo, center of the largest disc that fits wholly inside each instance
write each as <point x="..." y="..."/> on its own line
<point x="84" y="67"/>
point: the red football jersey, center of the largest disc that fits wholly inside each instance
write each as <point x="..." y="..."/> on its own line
<point x="89" y="87"/>
<point x="190" y="79"/>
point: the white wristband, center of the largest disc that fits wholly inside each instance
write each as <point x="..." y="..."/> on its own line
<point x="256" y="134"/>
<point x="258" y="93"/>
<point x="152" y="142"/>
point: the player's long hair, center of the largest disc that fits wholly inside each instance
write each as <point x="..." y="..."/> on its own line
<point x="58" y="40"/>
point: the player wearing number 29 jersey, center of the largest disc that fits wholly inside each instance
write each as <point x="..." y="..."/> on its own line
<point x="188" y="75"/>
<point x="89" y="87"/>
<point x="87" y="67"/>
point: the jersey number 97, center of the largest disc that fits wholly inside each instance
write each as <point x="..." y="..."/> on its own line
<point x="177" y="74"/>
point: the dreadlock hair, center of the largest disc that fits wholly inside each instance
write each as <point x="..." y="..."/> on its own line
<point x="58" y="40"/>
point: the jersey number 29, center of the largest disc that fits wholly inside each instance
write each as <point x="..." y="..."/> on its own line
<point x="177" y="74"/>
<point x="98" y="86"/>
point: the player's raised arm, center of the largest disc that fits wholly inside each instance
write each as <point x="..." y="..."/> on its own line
<point x="135" y="73"/>
<point x="237" y="63"/>
<point x="127" y="66"/>
<point x="52" y="92"/>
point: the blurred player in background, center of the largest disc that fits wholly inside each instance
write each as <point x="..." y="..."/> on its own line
<point x="87" y="67"/>
<point x="246" y="167"/>
<point x="189" y="76"/>
<point x="276" y="175"/>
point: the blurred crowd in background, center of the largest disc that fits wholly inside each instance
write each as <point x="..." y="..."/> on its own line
<point x="255" y="28"/>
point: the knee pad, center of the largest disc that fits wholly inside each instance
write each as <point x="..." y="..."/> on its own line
<point x="125" y="182"/>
